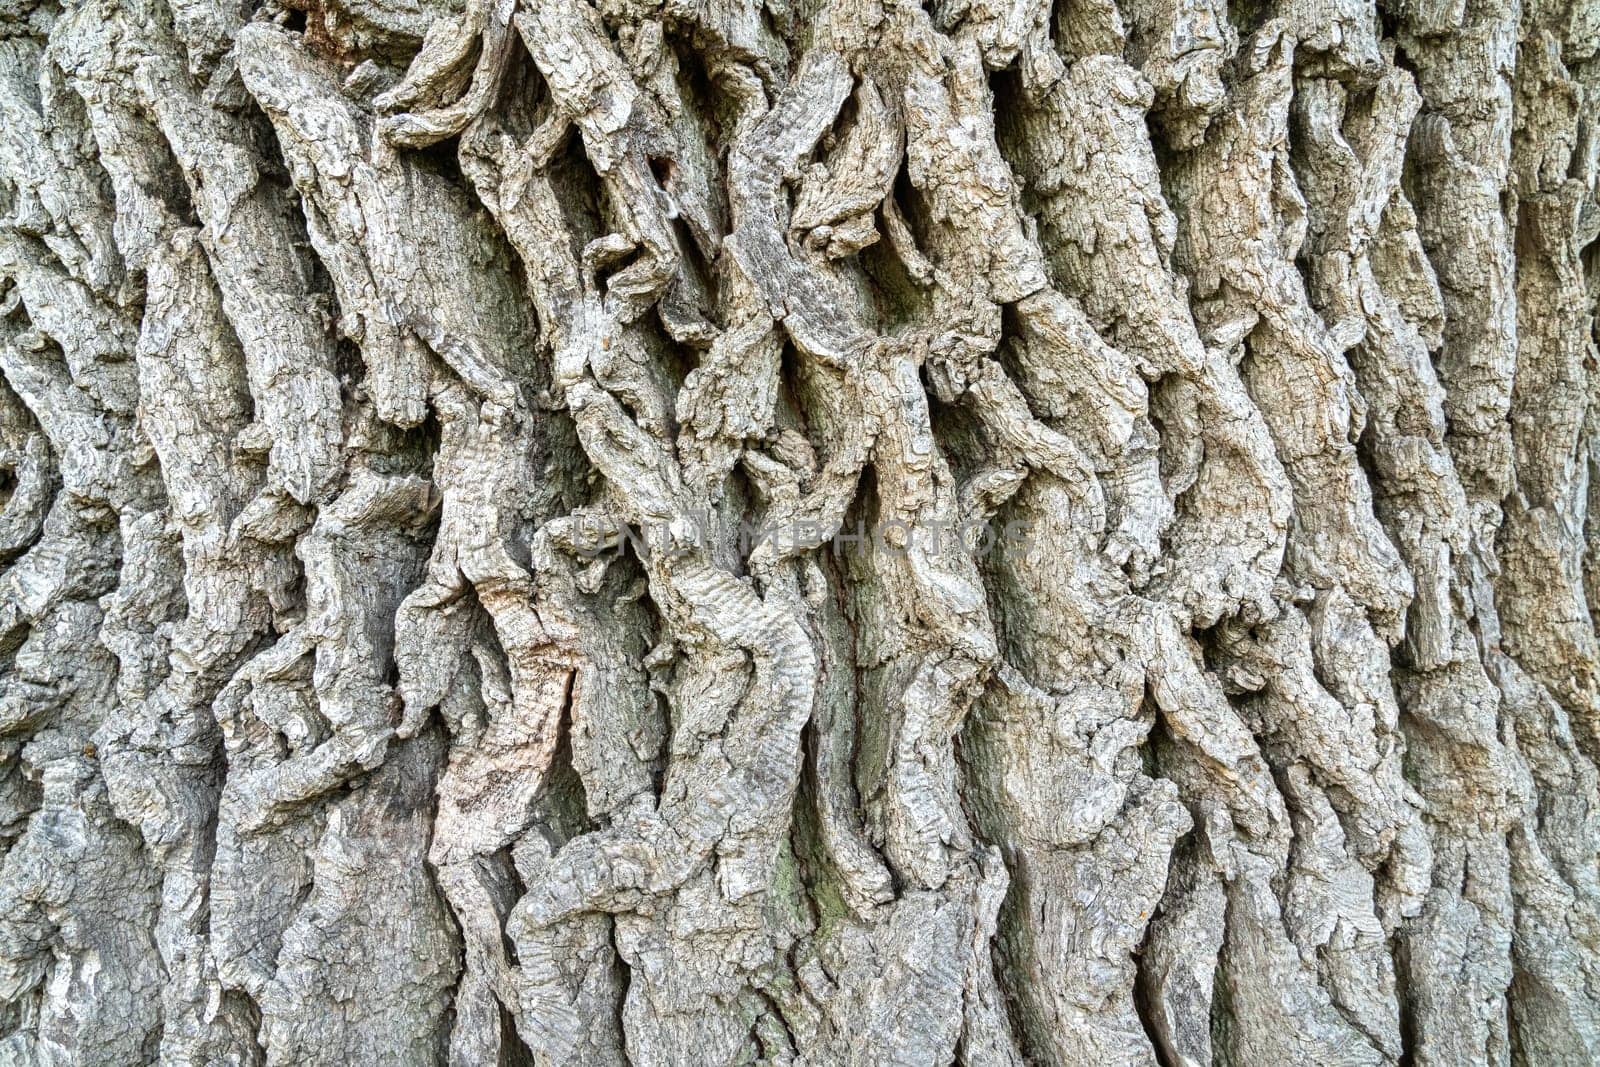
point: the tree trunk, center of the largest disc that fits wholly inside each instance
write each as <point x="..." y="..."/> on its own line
<point x="837" y="533"/>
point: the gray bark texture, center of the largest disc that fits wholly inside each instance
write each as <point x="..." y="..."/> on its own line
<point x="827" y="532"/>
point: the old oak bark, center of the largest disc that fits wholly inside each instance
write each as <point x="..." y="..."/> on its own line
<point x="677" y="532"/>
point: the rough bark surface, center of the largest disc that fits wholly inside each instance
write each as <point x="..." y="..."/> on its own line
<point x="341" y="724"/>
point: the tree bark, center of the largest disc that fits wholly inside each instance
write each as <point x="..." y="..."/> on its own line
<point x="820" y="533"/>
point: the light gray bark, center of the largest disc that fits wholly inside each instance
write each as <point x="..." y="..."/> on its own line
<point x="340" y="723"/>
